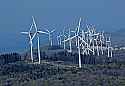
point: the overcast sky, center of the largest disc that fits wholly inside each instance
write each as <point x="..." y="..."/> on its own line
<point x="15" y="16"/>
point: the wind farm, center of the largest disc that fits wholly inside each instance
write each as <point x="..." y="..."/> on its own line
<point x="85" y="41"/>
<point x="62" y="43"/>
<point x="75" y="48"/>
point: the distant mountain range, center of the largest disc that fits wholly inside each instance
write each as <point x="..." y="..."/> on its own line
<point x="118" y="37"/>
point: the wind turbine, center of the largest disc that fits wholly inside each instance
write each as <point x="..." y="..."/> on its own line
<point x="83" y="34"/>
<point x="108" y="43"/>
<point x="96" y="35"/>
<point x="50" y="36"/>
<point x="78" y="47"/>
<point x="79" y="54"/>
<point x="92" y="40"/>
<point x="77" y="40"/>
<point x="64" y="37"/>
<point x="36" y="33"/>
<point x="101" y="41"/>
<point x="59" y="39"/>
<point x="70" y="41"/>
<point x="89" y="37"/>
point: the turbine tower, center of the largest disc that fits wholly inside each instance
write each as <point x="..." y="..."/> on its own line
<point x="79" y="54"/>
<point x="70" y="41"/>
<point x="64" y="37"/>
<point x="102" y="41"/>
<point x="96" y="37"/>
<point x="108" y="43"/>
<point x="59" y="40"/>
<point x="31" y="43"/>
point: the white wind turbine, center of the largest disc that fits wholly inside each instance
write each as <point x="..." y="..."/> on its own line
<point x="89" y="37"/>
<point x="92" y="40"/>
<point x="59" y="40"/>
<point x="64" y="37"/>
<point x="36" y="33"/>
<point x="96" y="35"/>
<point x="78" y="47"/>
<point x="49" y="33"/>
<point x="108" y="43"/>
<point x="70" y="41"/>
<point x="77" y="40"/>
<point x="79" y="52"/>
<point x="102" y="41"/>
<point x="38" y="39"/>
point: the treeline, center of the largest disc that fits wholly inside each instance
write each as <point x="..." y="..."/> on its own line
<point x="9" y="58"/>
<point x="73" y="58"/>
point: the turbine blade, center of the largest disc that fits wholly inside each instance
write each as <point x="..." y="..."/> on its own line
<point x="42" y="32"/>
<point x="90" y="49"/>
<point x="73" y="31"/>
<point x="33" y="36"/>
<point x="80" y="21"/>
<point x="53" y="30"/>
<point x="31" y="27"/>
<point x="79" y="25"/>
<point x="25" y="32"/>
<point x="70" y="38"/>
<point x="83" y="40"/>
<point x="47" y="30"/>
<point x="34" y="23"/>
